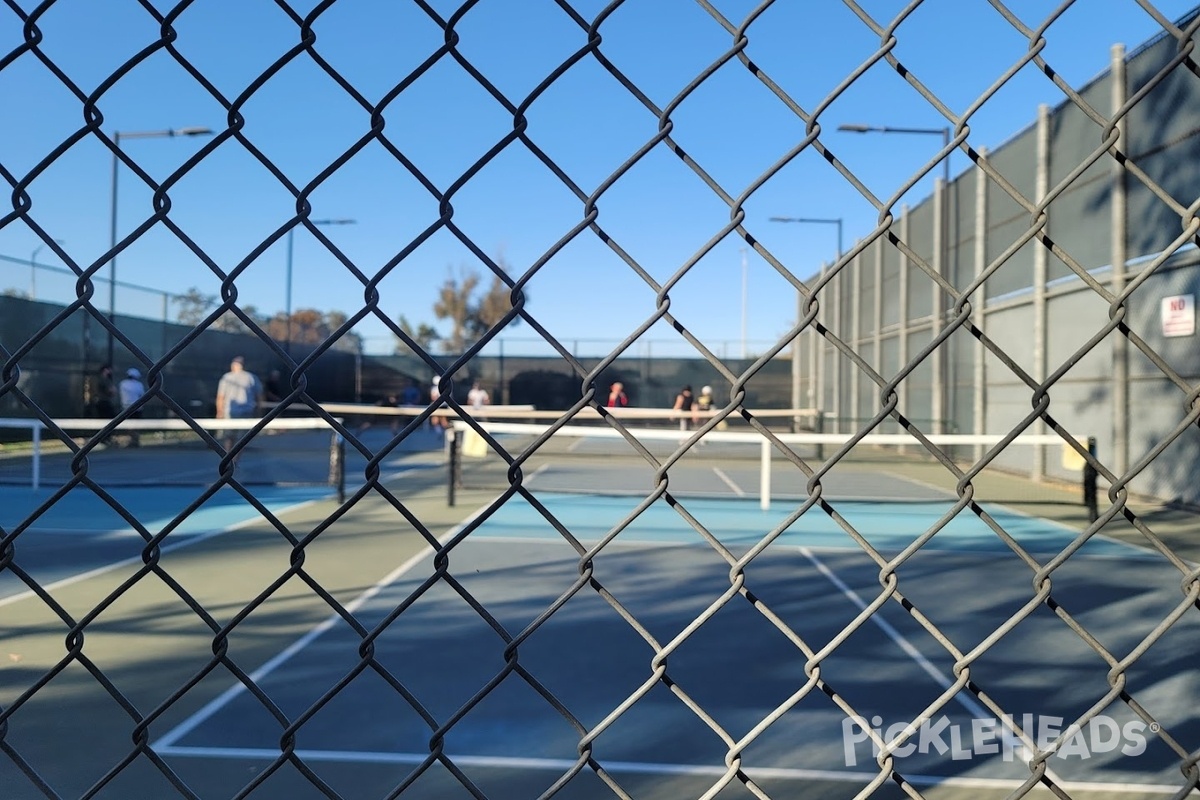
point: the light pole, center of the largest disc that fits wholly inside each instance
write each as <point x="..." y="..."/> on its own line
<point x="938" y="389"/>
<point x="287" y="344"/>
<point x="33" y="269"/>
<point x="112" y="239"/>
<point x="812" y="379"/>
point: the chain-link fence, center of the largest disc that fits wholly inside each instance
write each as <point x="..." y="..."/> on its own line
<point x="254" y="639"/>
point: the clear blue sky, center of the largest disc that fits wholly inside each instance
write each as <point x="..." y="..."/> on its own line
<point x="659" y="212"/>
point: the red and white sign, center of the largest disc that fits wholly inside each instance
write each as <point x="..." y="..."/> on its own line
<point x="1179" y="315"/>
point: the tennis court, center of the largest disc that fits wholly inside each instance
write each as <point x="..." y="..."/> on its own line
<point x="596" y="639"/>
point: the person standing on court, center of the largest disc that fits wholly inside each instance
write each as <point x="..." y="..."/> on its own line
<point x="104" y="403"/>
<point x="131" y="390"/>
<point x="478" y="397"/>
<point x="685" y="403"/>
<point x="437" y="423"/>
<point x="616" y="396"/>
<point x="703" y="403"/>
<point x="273" y="391"/>
<point x="238" y="394"/>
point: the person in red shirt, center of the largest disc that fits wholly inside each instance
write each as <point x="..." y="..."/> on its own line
<point x="616" y="396"/>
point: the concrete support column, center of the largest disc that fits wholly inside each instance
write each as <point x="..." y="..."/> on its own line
<point x="836" y="326"/>
<point x="820" y="353"/>
<point x="1040" y="266"/>
<point x="855" y="374"/>
<point x="877" y="316"/>
<point x="937" y="400"/>
<point x="902" y="330"/>
<point x="978" y="306"/>
<point x="1120" y="258"/>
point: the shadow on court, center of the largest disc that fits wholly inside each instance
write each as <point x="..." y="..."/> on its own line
<point x="369" y="714"/>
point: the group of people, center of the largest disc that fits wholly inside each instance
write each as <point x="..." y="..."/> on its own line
<point x="111" y="396"/>
<point x="687" y="408"/>
<point x="410" y="397"/>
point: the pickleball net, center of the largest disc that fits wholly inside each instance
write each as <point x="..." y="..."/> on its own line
<point x="287" y="451"/>
<point x="733" y="458"/>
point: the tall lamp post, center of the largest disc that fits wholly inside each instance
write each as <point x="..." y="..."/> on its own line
<point x="287" y="345"/>
<point x="812" y="386"/>
<point x="33" y="269"/>
<point x="112" y="240"/>
<point x="939" y="369"/>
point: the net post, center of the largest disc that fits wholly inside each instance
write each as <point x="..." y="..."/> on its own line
<point x="337" y="465"/>
<point x="36" y="477"/>
<point x="764" y="479"/>
<point x="1090" y="477"/>
<point x="452" y="464"/>
<point x="819" y="427"/>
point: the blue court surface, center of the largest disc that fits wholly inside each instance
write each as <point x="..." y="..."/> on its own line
<point x="80" y="534"/>
<point x="888" y="526"/>
<point x="741" y="664"/>
<point x="82" y="511"/>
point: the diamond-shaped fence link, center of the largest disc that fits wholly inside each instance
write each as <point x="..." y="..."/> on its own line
<point x="1031" y="295"/>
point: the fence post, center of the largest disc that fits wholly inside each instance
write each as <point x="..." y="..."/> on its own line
<point x="1089" y="483"/>
<point x="1040" y="261"/>
<point x="937" y="359"/>
<point x="1120" y="257"/>
<point x="978" y="302"/>
<point x="452" y="457"/>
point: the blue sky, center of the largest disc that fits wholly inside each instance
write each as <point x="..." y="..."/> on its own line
<point x="659" y="211"/>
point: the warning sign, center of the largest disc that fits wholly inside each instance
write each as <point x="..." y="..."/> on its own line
<point x="1179" y="315"/>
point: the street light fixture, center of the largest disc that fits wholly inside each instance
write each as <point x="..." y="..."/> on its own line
<point x="33" y="269"/>
<point x="812" y="389"/>
<point x="942" y="132"/>
<point x="287" y="345"/>
<point x="116" y="163"/>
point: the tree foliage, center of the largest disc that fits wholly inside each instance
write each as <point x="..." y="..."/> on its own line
<point x="424" y="335"/>
<point x="471" y="313"/>
<point x="308" y="325"/>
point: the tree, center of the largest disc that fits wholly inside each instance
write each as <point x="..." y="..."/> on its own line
<point x="492" y="307"/>
<point x="472" y="317"/>
<point x="193" y="306"/>
<point x="454" y="304"/>
<point x="309" y="326"/>
<point x="424" y="335"/>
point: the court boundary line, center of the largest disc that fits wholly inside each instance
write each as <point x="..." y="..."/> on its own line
<point x="647" y="768"/>
<point x="214" y="705"/>
<point x="166" y="744"/>
<point x="738" y="490"/>
<point x="192" y="539"/>
<point x="972" y="706"/>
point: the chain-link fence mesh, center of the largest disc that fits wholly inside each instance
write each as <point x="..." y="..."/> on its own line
<point x="1022" y="296"/>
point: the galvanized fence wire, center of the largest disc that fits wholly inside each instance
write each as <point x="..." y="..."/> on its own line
<point x="956" y="316"/>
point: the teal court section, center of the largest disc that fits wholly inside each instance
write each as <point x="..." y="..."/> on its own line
<point x="888" y="526"/>
<point x="83" y="511"/>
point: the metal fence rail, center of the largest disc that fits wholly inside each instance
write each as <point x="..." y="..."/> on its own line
<point x="964" y="310"/>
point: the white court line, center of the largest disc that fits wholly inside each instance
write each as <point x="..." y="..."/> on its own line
<point x="974" y="708"/>
<point x="217" y="703"/>
<point x="191" y="540"/>
<point x="739" y="491"/>
<point x="166" y="746"/>
<point x="646" y="768"/>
